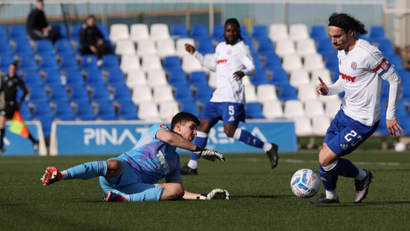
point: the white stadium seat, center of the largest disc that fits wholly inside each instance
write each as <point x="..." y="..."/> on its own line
<point x="324" y="75"/>
<point x="119" y="32"/>
<point x="313" y="62"/>
<point x="305" y="47"/>
<point x="167" y="110"/>
<point x="303" y="126"/>
<point x="136" y="78"/>
<point x="314" y="108"/>
<point x="320" y="124"/>
<point x="298" y="31"/>
<point x="299" y="77"/>
<point x="139" y="32"/>
<point x="332" y="107"/>
<point x="285" y="47"/>
<point x="250" y="94"/>
<point x="190" y="64"/>
<point x="180" y="46"/>
<point x="156" y="78"/>
<point x="266" y="92"/>
<point x="307" y="92"/>
<point x="141" y="94"/>
<point x="294" y="108"/>
<point x="163" y="93"/>
<point x="130" y="63"/>
<point x="272" y="109"/>
<point x="148" y="112"/>
<point x="146" y="47"/>
<point x="125" y="47"/>
<point x="166" y="48"/>
<point x="151" y="62"/>
<point x="278" y="31"/>
<point x="159" y="31"/>
<point x="291" y="62"/>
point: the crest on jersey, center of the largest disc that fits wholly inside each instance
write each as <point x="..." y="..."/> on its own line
<point x="229" y="52"/>
<point x="164" y="127"/>
<point x="354" y="65"/>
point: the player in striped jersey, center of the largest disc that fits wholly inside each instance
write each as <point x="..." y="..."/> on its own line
<point x="362" y="68"/>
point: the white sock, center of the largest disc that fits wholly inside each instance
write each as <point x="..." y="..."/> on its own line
<point x="193" y="164"/>
<point x="362" y="174"/>
<point x="126" y="197"/>
<point x="267" y="146"/>
<point x="63" y="174"/>
<point x="331" y="194"/>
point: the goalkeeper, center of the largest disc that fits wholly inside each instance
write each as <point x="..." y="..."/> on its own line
<point x="133" y="175"/>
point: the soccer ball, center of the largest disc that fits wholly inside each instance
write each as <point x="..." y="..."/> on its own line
<point x="305" y="183"/>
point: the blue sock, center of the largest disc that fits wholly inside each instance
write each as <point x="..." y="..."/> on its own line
<point x="200" y="140"/>
<point x="87" y="170"/>
<point x="329" y="179"/>
<point x="153" y="194"/>
<point x="248" y="138"/>
<point x="345" y="168"/>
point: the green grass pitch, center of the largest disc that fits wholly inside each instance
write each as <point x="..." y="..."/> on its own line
<point x="261" y="198"/>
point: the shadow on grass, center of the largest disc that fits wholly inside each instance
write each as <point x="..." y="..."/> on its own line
<point x="363" y="204"/>
<point x="262" y="196"/>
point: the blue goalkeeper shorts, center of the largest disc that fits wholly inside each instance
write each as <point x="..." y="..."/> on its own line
<point x="346" y="134"/>
<point x="229" y="113"/>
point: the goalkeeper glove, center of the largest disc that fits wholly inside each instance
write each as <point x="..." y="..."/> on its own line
<point x="215" y="194"/>
<point x="209" y="154"/>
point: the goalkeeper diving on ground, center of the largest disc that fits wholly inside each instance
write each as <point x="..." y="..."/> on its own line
<point x="133" y="175"/>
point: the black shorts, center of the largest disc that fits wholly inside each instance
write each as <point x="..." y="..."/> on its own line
<point x="8" y="111"/>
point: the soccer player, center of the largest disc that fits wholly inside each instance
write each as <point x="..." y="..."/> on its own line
<point x="232" y="61"/>
<point x="362" y="68"/>
<point x="133" y="175"/>
<point x="10" y="85"/>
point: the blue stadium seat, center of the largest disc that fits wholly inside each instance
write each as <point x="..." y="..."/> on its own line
<point x="179" y="31"/>
<point x="127" y="111"/>
<point x="28" y="62"/>
<point x="74" y="78"/>
<point x="100" y="94"/>
<point x="401" y="109"/>
<point x="68" y="61"/>
<point x="32" y="77"/>
<point x="197" y="78"/>
<point x="22" y="47"/>
<point x="318" y="32"/>
<point x="218" y="33"/>
<point x="177" y="78"/>
<point x="110" y="61"/>
<point x="382" y="128"/>
<point x="259" y="78"/>
<point x="5" y="61"/>
<point x="46" y="121"/>
<point x="84" y="111"/>
<point x="259" y="32"/>
<point x="171" y="63"/>
<point x="106" y="111"/>
<point x="405" y="77"/>
<point x="376" y="33"/>
<point x="272" y="61"/>
<point x="58" y="94"/>
<point x="331" y="61"/>
<point x="5" y="48"/>
<point x="122" y="93"/>
<point x="94" y="77"/>
<point x="25" y="111"/>
<point x="79" y="94"/>
<point x="183" y="94"/>
<point x="191" y="107"/>
<point x="205" y="46"/>
<point x="199" y="32"/>
<point x="3" y="32"/>
<point x="41" y="108"/>
<point x="404" y="123"/>
<point x="18" y="32"/>
<point x="75" y="32"/>
<point x="279" y="77"/>
<point x="44" y="47"/>
<point x="115" y="78"/>
<point x="62" y="29"/>
<point x="48" y="62"/>
<point x="257" y="61"/>
<point x="265" y="46"/>
<point x="386" y="46"/>
<point x="203" y="93"/>
<point x="37" y="95"/>
<point x="104" y="31"/>
<point x="244" y="32"/>
<point x="325" y="47"/>
<point x="396" y="60"/>
<point x="249" y="42"/>
<point x="63" y="47"/>
<point x="89" y="61"/>
<point x="64" y="111"/>
<point x="254" y="111"/>
<point x="52" y="78"/>
<point x="288" y="92"/>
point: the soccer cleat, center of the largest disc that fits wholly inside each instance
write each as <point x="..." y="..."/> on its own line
<point x="36" y="146"/>
<point x="51" y="176"/>
<point x="362" y="187"/>
<point x="273" y="155"/>
<point x="323" y="200"/>
<point x="186" y="170"/>
<point x="114" y="197"/>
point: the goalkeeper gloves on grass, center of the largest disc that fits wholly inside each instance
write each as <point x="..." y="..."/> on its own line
<point x="209" y="154"/>
<point x="215" y="194"/>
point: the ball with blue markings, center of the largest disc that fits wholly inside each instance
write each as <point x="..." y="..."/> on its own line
<point x="305" y="183"/>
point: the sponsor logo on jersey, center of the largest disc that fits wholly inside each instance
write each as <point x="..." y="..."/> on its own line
<point x="221" y="61"/>
<point x="347" y="77"/>
<point x="354" y="65"/>
<point x="344" y="146"/>
<point x="231" y="119"/>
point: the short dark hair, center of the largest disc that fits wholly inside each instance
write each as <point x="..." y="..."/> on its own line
<point x="13" y="64"/>
<point x="183" y="117"/>
<point x="236" y="23"/>
<point x="90" y="16"/>
<point x="40" y="1"/>
<point x="347" y="22"/>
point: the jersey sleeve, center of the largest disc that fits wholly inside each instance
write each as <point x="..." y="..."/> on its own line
<point x="246" y="59"/>
<point x="374" y="59"/>
<point x="152" y="132"/>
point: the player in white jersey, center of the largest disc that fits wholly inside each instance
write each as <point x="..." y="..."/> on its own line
<point x="232" y="61"/>
<point x="362" y="68"/>
<point x="133" y="175"/>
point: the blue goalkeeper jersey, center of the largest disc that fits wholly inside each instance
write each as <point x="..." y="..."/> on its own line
<point x="153" y="159"/>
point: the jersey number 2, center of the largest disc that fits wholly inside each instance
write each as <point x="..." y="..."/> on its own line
<point x="353" y="134"/>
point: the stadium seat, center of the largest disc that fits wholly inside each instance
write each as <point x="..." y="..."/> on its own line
<point x="44" y="47"/>
<point x="254" y="110"/>
<point x="166" y="48"/>
<point x="62" y="30"/>
<point x="313" y="62"/>
<point x="58" y="94"/>
<point x="291" y="62"/>
<point x="41" y="108"/>
<point x="148" y="111"/>
<point x="272" y="61"/>
<point x="106" y="111"/>
<point x="325" y="47"/>
<point x="259" y="32"/>
<point x="257" y="61"/>
<point x="177" y="78"/>
<point x="104" y="32"/>
<point x="94" y="77"/>
<point x="285" y="47"/>
<point x="250" y="94"/>
<point x="48" y="62"/>
<point x="299" y="77"/>
<point x="190" y="64"/>
<point x="79" y="94"/>
<point x="303" y="126"/>
<point x="110" y="61"/>
<point x="69" y="62"/>
<point x="320" y="124"/>
<point x="179" y="31"/>
<point x="190" y="107"/>
<point x="197" y="78"/>
<point x="318" y="32"/>
<point x="199" y="32"/>
<point x="259" y="78"/>
<point x="122" y="94"/>
<point x="331" y="61"/>
<point x="218" y="33"/>
<point x="17" y="32"/>
<point x="127" y="111"/>
<point x="151" y="62"/>
<point x="119" y="32"/>
<point x="139" y="31"/>
<point x="75" y="32"/>
<point x="307" y="93"/>
<point x="180" y="46"/>
<point x="246" y="81"/>
<point x="324" y="74"/>
<point x="89" y="62"/>
<point x="266" y="92"/>
<point x="183" y="94"/>
<point x="272" y="109"/>
<point x="172" y="63"/>
<point x="22" y="48"/>
<point x="314" y="108"/>
<point x="25" y="111"/>
<point x="156" y="78"/>
<point x="52" y="78"/>
<point x="203" y="93"/>
<point x="305" y="47"/>
<point x="141" y="94"/>
<point x="298" y="31"/>
<point x="3" y="32"/>
<point x="84" y="111"/>
<point x="167" y="110"/>
<point x="159" y="31"/>
<point x="288" y="92"/>
<point x="396" y="60"/>
<point x="5" y="49"/>
<point x="278" y="32"/>
<point x="63" y="47"/>
<point x="74" y="78"/>
<point x="294" y="108"/>
<point x="125" y="47"/>
<point x="129" y="63"/>
<point x="64" y="111"/>
<point x="265" y="47"/>
<point x="146" y="47"/>
<point x="28" y="62"/>
<point x="100" y="93"/>
<point x="332" y="107"/>
<point x="136" y="78"/>
<point x="32" y="77"/>
<point x="205" y="46"/>
<point x="115" y="78"/>
<point x="386" y="46"/>
<point x="377" y="33"/>
<point x="46" y="121"/>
